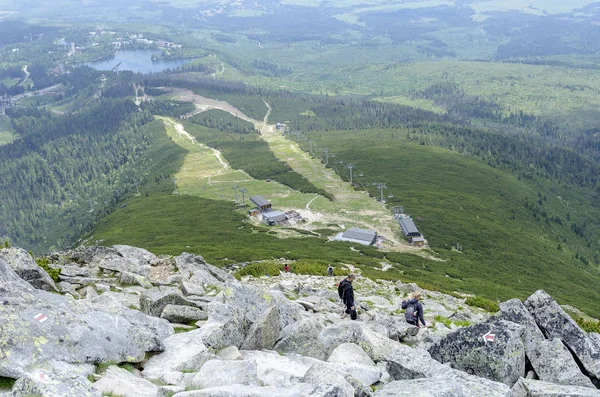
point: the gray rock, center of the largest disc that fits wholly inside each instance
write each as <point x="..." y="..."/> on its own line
<point x="303" y="337"/>
<point x="118" y="381"/>
<point x="183" y="314"/>
<point x="192" y="289"/>
<point x="350" y="352"/>
<point x="554" y="363"/>
<point x="396" y="327"/>
<point x="39" y="383"/>
<point x="215" y="373"/>
<point x="448" y="384"/>
<point x="321" y="374"/>
<point x="183" y="352"/>
<point x="514" y="311"/>
<point x="136" y="255"/>
<point x="102" y="288"/>
<point x="117" y="263"/>
<point x="154" y="300"/>
<point x="264" y="333"/>
<point x="502" y="359"/>
<point x="556" y="323"/>
<point x="275" y="369"/>
<point x="195" y="268"/>
<point x="254" y="391"/>
<point x="536" y="388"/>
<point x="421" y="387"/>
<point x="595" y="338"/>
<point x="230" y="353"/>
<point x="37" y="326"/>
<point x="226" y="326"/>
<point x="67" y="288"/>
<point x="75" y="271"/>
<point x="360" y="390"/>
<point x="88" y="255"/>
<point x="135" y="279"/>
<point x="26" y="268"/>
<point x="407" y="363"/>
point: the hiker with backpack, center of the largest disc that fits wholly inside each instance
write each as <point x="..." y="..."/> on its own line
<point x="330" y="271"/>
<point x="346" y="292"/>
<point x="414" y="309"/>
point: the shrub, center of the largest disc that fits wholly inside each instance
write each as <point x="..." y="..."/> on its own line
<point x="483" y="303"/>
<point x="588" y="325"/>
<point x="43" y="263"/>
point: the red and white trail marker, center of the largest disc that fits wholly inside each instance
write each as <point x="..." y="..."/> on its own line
<point x="489" y="337"/>
<point x="40" y="317"/>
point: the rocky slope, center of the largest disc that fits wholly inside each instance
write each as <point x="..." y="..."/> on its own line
<point x="123" y="322"/>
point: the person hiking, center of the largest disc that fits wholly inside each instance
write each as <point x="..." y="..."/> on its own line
<point x="330" y="271"/>
<point x="414" y="309"/>
<point x="346" y="292"/>
<point x="287" y="268"/>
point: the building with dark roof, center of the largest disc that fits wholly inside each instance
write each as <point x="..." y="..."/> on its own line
<point x="360" y="236"/>
<point x="409" y="228"/>
<point x="260" y="202"/>
<point x="272" y="217"/>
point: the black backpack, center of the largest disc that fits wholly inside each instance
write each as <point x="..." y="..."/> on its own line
<point x="342" y="288"/>
<point x="411" y="312"/>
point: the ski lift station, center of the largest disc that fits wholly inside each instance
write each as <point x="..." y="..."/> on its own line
<point x="410" y="231"/>
<point x="357" y="235"/>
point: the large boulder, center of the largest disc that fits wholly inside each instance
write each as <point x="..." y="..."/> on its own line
<point x="183" y="353"/>
<point x="154" y="300"/>
<point x="350" y="353"/>
<point x="321" y="374"/>
<point x="37" y="326"/>
<point x="550" y="359"/>
<point x="303" y="337"/>
<point x="556" y="323"/>
<point x="39" y="383"/>
<point x="227" y="326"/>
<point x="116" y="263"/>
<point x="451" y="383"/>
<point x="264" y="332"/>
<point x="215" y="373"/>
<point x="275" y="369"/>
<point x="195" y="269"/>
<point x="183" y="314"/>
<point x="26" y="268"/>
<point x="136" y="255"/>
<point x="553" y="363"/>
<point x="536" y="388"/>
<point x="119" y="381"/>
<point x="514" y="311"/>
<point x="407" y="363"/>
<point x="494" y="351"/>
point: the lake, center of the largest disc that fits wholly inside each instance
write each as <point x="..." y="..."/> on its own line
<point x="139" y="61"/>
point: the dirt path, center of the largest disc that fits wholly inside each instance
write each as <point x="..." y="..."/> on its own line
<point x="27" y="74"/>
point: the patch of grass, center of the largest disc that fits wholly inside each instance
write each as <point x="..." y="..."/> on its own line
<point x="448" y="321"/>
<point x="309" y="267"/>
<point x="6" y="383"/>
<point x="482" y="303"/>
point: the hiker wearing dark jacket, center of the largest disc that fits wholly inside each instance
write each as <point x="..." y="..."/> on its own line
<point x="414" y="309"/>
<point x="346" y="292"/>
